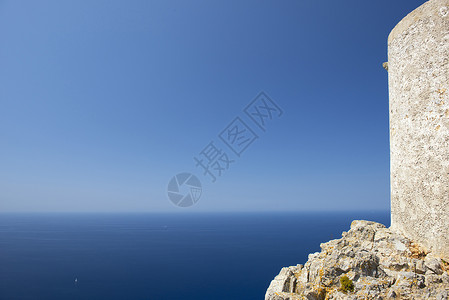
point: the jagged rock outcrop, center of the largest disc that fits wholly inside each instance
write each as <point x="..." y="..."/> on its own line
<point x="381" y="264"/>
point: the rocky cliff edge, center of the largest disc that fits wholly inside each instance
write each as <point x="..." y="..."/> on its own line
<point x="369" y="262"/>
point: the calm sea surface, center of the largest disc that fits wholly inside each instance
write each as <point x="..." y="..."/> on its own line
<point x="158" y="256"/>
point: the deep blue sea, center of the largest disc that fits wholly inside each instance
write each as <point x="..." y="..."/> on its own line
<point x="158" y="256"/>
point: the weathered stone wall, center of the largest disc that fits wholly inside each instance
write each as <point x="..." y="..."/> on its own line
<point x="418" y="68"/>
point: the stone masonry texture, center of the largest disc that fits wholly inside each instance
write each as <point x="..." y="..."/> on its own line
<point x="418" y="70"/>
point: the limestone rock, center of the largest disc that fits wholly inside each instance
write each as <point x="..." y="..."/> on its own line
<point x="381" y="263"/>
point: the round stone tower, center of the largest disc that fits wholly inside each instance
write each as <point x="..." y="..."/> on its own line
<point x="418" y="69"/>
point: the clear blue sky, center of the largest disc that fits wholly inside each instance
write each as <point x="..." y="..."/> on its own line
<point x="102" y="102"/>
